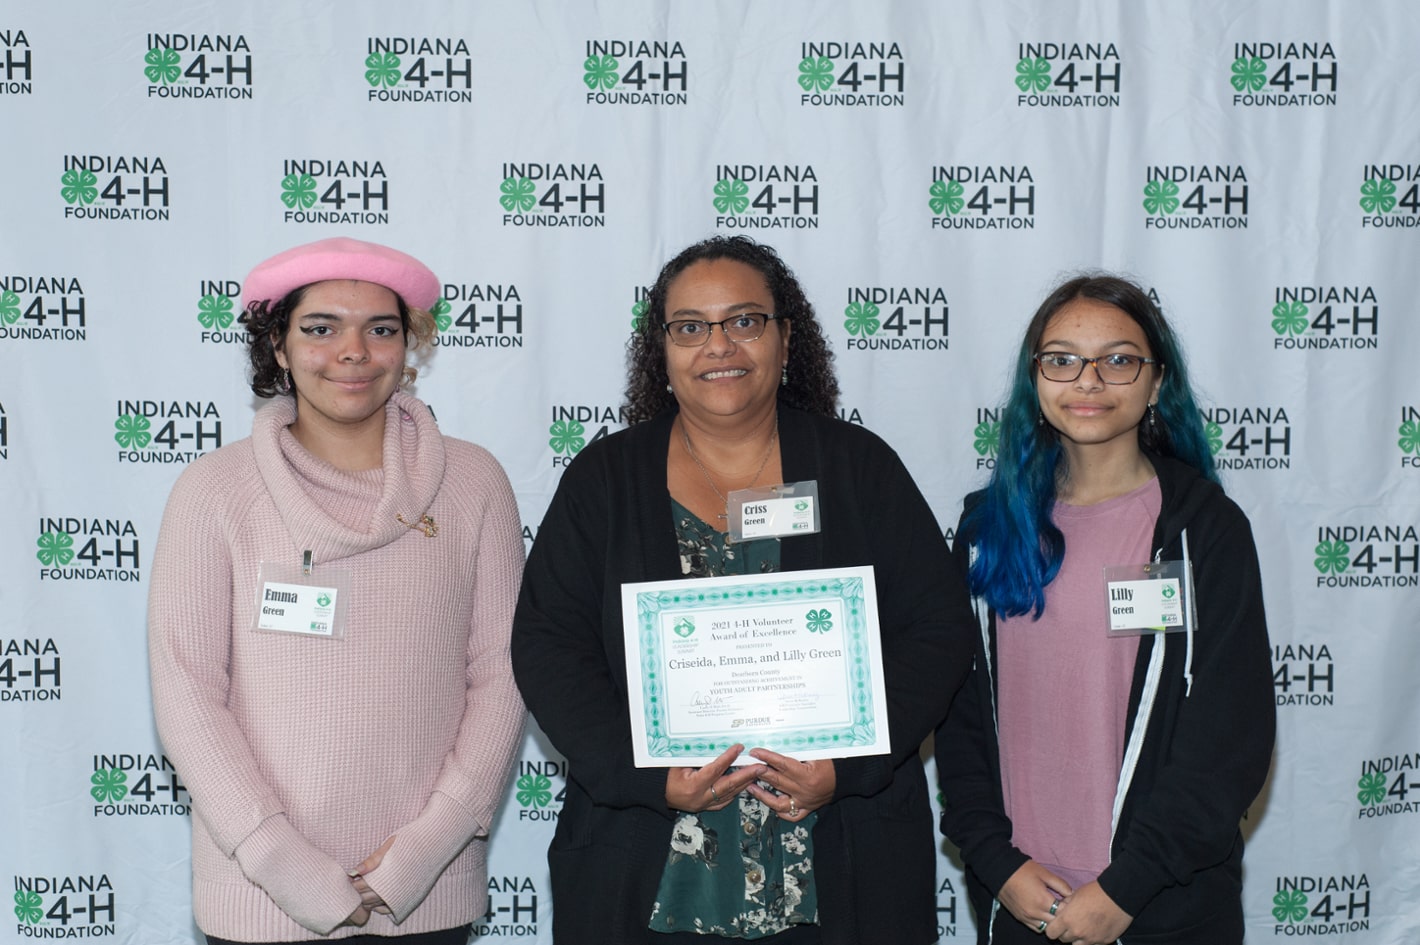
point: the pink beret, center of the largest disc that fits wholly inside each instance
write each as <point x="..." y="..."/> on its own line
<point x="342" y="258"/>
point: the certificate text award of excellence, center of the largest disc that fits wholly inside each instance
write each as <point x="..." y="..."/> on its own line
<point x="788" y="661"/>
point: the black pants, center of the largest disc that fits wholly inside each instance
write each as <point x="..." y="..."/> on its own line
<point x="1224" y="928"/>
<point x="458" y="936"/>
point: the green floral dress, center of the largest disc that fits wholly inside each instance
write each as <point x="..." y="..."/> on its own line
<point x="704" y="887"/>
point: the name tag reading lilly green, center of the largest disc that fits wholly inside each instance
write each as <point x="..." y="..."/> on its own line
<point x="1147" y="598"/>
<point x="290" y="602"/>
<point x="790" y="508"/>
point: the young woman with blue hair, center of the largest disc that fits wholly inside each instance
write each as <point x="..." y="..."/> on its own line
<point x="1119" y="719"/>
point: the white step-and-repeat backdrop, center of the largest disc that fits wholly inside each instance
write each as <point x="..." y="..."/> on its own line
<point x="928" y="168"/>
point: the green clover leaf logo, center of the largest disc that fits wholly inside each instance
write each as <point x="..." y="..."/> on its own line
<point x="1214" y="433"/>
<point x="947" y="197"/>
<point x="862" y="319"/>
<point x="323" y="599"/>
<point x="164" y="65"/>
<point x="1332" y="556"/>
<point x="987" y="437"/>
<point x="1291" y="905"/>
<point x="9" y="307"/>
<point x="567" y="437"/>
<point x="442" y="318"/>
<point x="29" y="907"/>
<point x="684" y="627"/>
<point x="801" y="505"/>
<point x="78" y="186"/>
<point x="518" y="194"/>
<point x="109" y="784"/>
<point x="1370" y="789"/>
<point x="1033" y="75"/>
<point x="1378" y="195"/>
<point x="1289" y="318"/>
<point x="55" y="548"/>
<point x="382" y="69"/>
<point x="818" y="621"/>
<point x="816" y="74"/>
<point x="215" y="311"/>
<point x="1410" y="437"/>
<point x="1167" y="591"/>
<point x="731" y="196"/>
<point x="132" y="431"/>
<point x="298" y="189"/>
<point x="638" y="313"/>
<point x="534" y="790"/>
<point x="600" y="72"/>
<point x="1249" y="75"/>
<point x="1160" y="197"/>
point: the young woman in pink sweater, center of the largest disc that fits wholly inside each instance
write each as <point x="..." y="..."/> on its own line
<point x="328" y="626"/>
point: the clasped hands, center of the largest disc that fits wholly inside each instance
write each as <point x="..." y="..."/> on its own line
<point x="794" y="788"/>
<point x="1047" y="904"/>
<point x="370" y="900"/>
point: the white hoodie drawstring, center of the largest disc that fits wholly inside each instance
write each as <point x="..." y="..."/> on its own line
<point x="1191" y="617"/>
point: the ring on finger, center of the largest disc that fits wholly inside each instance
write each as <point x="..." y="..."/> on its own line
<point x="793" y="806"/>
<point x="714" y="794"/>
<point x="1053" y="906"/>
<point x="1041" y="927"/>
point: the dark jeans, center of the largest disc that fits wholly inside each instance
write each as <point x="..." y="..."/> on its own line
<point x="458" y="936"/>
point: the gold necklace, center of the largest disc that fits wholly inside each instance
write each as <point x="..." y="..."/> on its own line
<point x="690" y="450"/>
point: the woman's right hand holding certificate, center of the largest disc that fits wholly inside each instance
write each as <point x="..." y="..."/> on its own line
<point x="710" y="787"/>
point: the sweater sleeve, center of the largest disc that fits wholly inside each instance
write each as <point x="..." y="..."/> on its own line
<point x="973" y="815"/>
<point x="474" y="773"/>
<point x="1218" y="753"/>
<point x="925" y="621"/>
<point x="189" y="639"/>
<point x="564" y="657"/>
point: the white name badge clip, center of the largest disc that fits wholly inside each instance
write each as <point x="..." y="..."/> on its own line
<point x="301" y="600"/>
<point x="790" y="508"/>
<point x="1147" y="598"/>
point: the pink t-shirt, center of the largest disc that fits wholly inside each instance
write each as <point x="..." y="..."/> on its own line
<point x="1064" y="691"/>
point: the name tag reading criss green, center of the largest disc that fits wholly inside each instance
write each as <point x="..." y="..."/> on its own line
<point x="1147" y="598"/>
<point x="790" y="508"/>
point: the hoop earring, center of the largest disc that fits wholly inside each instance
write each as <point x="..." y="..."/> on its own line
<point x="670" y="389"/>
<point x="285" y="382"/>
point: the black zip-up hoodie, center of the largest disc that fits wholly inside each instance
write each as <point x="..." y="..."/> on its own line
<point x="1199" y="737"/>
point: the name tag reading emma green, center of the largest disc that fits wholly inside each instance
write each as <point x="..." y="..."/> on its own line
<point x="311" y="605"/>
<point x="1147" y="598"/>
<point x="790" y="508"/>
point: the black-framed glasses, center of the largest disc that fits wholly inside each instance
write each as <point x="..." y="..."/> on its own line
<point x="694" y="332"/>
<point x="1064" y="367"/>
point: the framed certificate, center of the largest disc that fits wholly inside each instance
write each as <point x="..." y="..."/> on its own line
<point x="789" y="661"/>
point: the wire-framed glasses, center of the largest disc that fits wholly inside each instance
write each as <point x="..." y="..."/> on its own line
<point x="1064" y="367"/>
<point x="694" y="332"/>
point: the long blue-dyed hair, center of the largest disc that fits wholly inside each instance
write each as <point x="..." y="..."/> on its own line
<point x="1019" y="548"/>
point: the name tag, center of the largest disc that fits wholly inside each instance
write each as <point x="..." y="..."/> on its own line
<point x="780" y="511"/>
<point x="1147" y="598"/>
<point x="289" y="601"/>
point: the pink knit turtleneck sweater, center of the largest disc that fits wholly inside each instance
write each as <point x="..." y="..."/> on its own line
<point x="304" y="754"/>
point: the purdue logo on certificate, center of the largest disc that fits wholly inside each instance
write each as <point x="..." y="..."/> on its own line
<point x="789" y="661"/>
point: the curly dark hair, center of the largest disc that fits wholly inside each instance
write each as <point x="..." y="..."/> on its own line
<point x="267" y="325"/>
<point x="812" y="385"/>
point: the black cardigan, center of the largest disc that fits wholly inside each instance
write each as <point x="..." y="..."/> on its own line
<point x="610" y="523"/>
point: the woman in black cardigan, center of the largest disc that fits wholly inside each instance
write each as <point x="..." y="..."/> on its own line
<point x="712" y="412"/>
